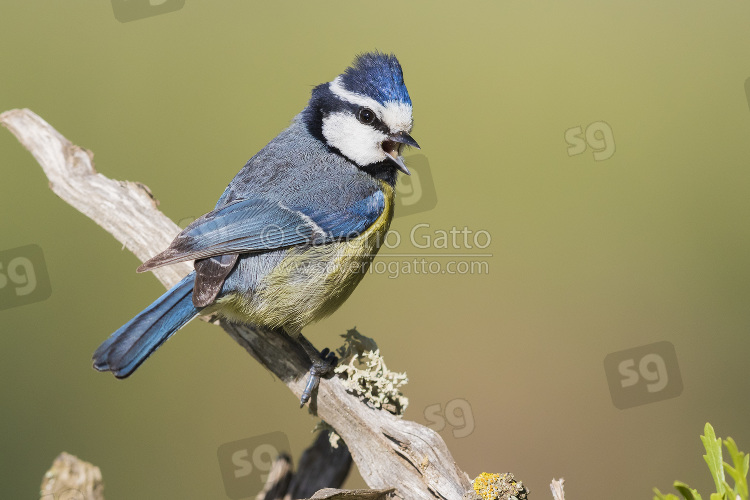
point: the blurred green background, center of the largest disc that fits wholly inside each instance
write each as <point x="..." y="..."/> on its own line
<point x="587" y="257"/>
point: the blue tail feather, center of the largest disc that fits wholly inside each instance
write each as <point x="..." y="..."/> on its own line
<point x="128" y="347"/>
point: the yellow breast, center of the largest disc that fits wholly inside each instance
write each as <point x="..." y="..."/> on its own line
<point x="311" y="283"/>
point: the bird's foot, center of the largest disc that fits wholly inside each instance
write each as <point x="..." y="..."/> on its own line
<point x="323" y="364"/>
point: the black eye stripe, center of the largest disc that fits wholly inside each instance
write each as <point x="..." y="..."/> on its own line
<point x="378" y="125"/>
<point x="372" y="120"/>
<point x="336" y="105"/>
<point x="324" y="103"/>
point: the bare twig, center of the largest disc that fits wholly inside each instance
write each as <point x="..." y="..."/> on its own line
<point x="320" y="466"/>
<point x="70" y="478"/>
<point x="557" y="489"/>
<point x="389" y="451"/>
<point x="278" y="480"/>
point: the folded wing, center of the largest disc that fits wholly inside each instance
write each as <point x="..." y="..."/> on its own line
<point x="258" y="225"/>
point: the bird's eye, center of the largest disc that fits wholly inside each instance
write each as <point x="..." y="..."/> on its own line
<point x="366" y="116"/>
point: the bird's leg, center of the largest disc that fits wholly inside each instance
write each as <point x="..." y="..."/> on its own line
<point x="323" y="364"/>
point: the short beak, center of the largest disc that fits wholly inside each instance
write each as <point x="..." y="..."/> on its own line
<point x="391" y="147"/>
<point x="403" y="138"/>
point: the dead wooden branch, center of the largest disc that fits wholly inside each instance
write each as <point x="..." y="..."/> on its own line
<point x="321" y="466"/>
<point x="389" y="452"/>
<point x="70" y="478"/>
<point x="556" y="486"/>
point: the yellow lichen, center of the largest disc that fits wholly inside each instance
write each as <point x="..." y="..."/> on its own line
<point x="485" y="485"/>
<point x="499" y="487"/>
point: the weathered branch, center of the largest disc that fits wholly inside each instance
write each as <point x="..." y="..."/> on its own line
<point x="389" y="451"/>
<point x="70" y="478"/>
<point x="558" y="492"/>
<point x="333" y="494"/>
<point x="321" y="466"/>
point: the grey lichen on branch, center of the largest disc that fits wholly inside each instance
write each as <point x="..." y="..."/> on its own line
<point x="366" y="374"/>
<point x="389" y="451"/>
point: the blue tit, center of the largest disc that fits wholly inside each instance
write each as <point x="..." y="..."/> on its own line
<point x="297" y="228"/>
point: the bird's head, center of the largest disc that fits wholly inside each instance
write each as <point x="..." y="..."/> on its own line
<point x="365" y="113"/>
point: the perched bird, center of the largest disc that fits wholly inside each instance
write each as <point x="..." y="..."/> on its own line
<point x="296" y="229"/>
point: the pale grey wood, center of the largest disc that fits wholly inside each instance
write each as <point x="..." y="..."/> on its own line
<point x="389" y="451"/>
<point x="70" y="478"/>
<point x="558" y="492"/>
<point x="334" y="494"/>
<point x="126" y="210"/>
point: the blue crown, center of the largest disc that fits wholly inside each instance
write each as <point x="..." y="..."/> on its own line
<point x="378" y="76"/>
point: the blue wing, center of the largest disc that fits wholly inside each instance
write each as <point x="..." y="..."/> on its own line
<point x="257" y="225"/>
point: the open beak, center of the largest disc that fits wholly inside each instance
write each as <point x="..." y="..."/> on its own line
<point x="392" y="146"/>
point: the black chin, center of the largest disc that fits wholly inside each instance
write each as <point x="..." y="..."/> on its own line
<point x="385" y="171"/>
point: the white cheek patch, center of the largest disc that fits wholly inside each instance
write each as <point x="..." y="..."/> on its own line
<point x="358" y="142"/>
